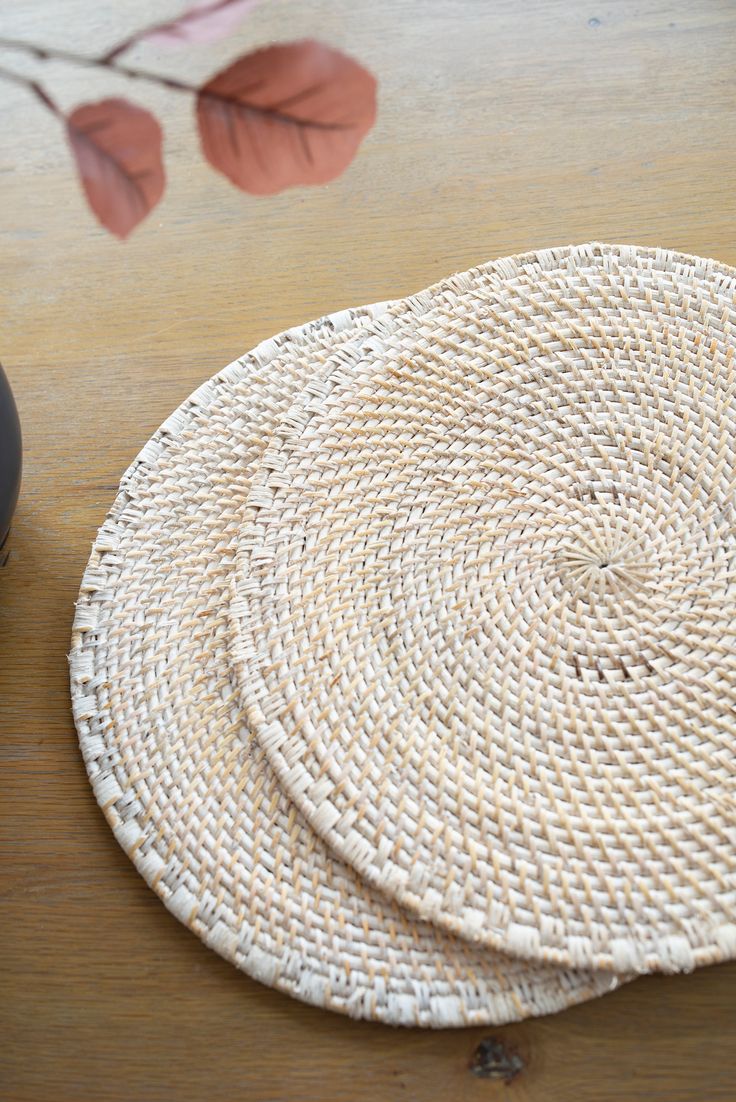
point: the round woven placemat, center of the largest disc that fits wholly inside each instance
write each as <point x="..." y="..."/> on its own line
<point x="485" y="607"/>
<point x="186" y="789"/>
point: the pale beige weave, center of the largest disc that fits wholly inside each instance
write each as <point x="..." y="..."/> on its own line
<point x="485" y="607"/>
<point x="186" y="789"/>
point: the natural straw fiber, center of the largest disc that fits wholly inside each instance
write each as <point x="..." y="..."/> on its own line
<point x="486" y="607"/>
<point x="186" y="789"/>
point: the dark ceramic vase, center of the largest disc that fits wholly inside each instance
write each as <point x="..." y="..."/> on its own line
<point x="10" y="456"/>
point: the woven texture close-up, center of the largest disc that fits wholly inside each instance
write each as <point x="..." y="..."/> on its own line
<point x="484" y="611"/>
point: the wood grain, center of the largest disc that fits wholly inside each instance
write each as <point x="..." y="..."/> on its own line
<point x="503" y="126"/>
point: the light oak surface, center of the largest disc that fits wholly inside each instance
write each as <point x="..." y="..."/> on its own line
<point x="502" y="127"/>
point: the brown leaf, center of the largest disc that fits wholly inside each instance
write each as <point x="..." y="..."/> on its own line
<point x="117" y="147"/>
<point x="285" y="115"/>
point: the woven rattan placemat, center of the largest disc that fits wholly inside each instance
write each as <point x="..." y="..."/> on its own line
<point x="484" y="606"/>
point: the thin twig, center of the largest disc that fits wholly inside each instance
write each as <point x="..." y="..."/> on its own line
<point x="167" y="25"/>
<point x="48" y="53"/>
<point x="113" y="54"/>
<point x="51" y="53"/>
<point x="32" y="86"/>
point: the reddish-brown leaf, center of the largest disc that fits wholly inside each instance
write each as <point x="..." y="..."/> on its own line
<point x="203" y="22"/>
<point x="285" y="115"/>
<point x="117" y="147"/>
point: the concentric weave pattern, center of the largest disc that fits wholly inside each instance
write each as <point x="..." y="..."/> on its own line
<point x="486" y="611"/>
<point x="185" y="787"/>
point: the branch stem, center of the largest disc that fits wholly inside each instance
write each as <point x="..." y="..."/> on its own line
<point x="51" y="53"/>
<point x="32" y="86"/>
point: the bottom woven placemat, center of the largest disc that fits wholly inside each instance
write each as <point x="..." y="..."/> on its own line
<point x="185" y="787"/>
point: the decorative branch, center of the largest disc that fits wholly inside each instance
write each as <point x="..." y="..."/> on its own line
<point x="282" y="116"/>
<point x="50" y="53"/>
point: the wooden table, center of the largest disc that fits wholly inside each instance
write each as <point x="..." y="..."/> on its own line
<point x="503" y="126"/>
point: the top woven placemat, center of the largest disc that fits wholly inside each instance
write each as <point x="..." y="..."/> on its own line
<point x="484" y="607"/>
